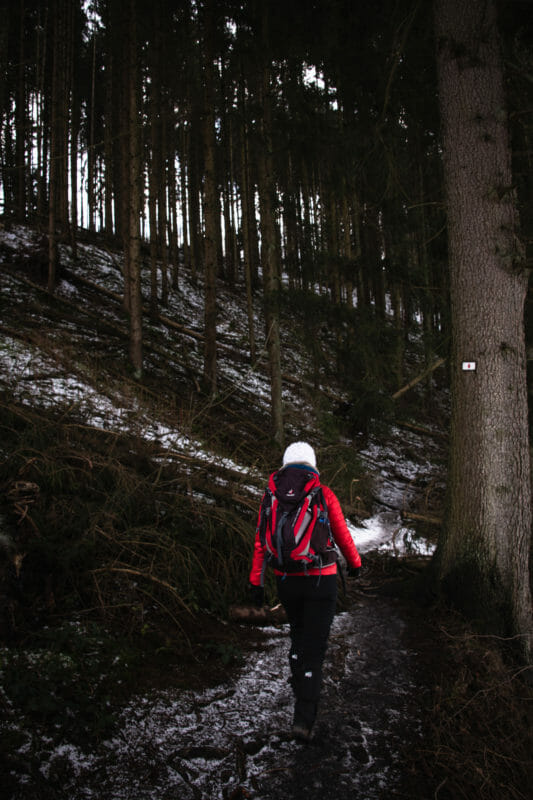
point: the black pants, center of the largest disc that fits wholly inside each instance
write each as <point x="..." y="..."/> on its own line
<point x="310" y="605"/>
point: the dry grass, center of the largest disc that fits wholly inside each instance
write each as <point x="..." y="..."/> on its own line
<point x="113" y="528"/>
<point x="479" y="717"/>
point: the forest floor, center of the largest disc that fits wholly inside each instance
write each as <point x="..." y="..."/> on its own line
<point x="222" y="732"/>
<point x="232" y="740"/>
<point x="415" y="704"/>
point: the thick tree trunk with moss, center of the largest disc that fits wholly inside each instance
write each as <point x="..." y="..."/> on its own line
<point x="483" y="555"/>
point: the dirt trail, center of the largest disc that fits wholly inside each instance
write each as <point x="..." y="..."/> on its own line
<point x="231" y="741"/>
<point x="369" y="714"/>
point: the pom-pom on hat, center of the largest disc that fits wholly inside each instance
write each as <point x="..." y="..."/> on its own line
<point x="299" y="453"/>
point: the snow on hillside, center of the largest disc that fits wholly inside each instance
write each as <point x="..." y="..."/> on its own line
<point x="34" y="376"/>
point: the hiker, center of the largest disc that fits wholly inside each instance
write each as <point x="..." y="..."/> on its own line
<point x="306" y="582"/>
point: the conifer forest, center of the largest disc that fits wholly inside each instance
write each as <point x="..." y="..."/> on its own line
<point x="309" y="219"/>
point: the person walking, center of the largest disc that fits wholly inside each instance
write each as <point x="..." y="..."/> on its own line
<point x="306" y="588"/>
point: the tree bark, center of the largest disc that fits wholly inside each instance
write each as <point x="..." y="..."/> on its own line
<point x="162" y="206"/>
<point x="269" y="258"/>
<point x="211" y="210"/>
<point x="247" y="221"/>
<point x="55" y="140"/>
<point x="153" y="184"/>
<point x="192" y="160"/>
<point x="135" y="195"/>
<point x="108" y="144"/>
<point x="21" y="125"/>
<point x="184" y="197"/>
<point x="91" y="152"/>
<point x="482" y="556"/>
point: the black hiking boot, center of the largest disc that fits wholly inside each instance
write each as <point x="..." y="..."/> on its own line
<point x="301" y="732"/>
<point x="304" y="717"/>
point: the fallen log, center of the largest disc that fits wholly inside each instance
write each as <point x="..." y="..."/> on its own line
<point x="422" y="430"/>
<point x="419" y="378"/>
<point x="422" y="518"/>
<point x="251" y="615"/>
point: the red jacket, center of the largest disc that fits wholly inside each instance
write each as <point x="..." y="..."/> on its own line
<point x="339" y="530"/>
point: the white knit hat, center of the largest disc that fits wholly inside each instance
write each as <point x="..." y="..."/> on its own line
<point x="299" y="453"/>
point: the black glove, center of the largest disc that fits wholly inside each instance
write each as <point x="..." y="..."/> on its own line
<point x="354" y="572"/>
<point x="256" y="595"/>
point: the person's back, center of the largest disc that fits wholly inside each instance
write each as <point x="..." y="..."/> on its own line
<point x="309" y="593"/>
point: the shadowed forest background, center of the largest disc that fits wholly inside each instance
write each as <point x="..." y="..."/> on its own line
<point x="291" y="144"/>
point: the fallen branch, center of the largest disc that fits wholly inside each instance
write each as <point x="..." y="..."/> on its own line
<point x="139" y="574"/>
<point x="419" y="378"/>
<point x="420" y="429"/>
<point x="422" y="518"/>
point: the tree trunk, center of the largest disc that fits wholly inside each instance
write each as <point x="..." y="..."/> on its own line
<point x="184" y="197"/>
<point x="91" y="153"/>
<point x="153" y="190"/>
<point x="21" y="125"/>
<point x="75" y="118"/>
<point x="232" y="251"/>
<point x="55" y="137"/>
<point x="211" y="217"/>
<point x="66" y="100"/>
<point x="247" y="223"/>
<point x="173" y="214"/>
<point x="134" y="244"/>
<point x="482" y="556"/>
<point x="269" y="259"/>
<point x="194" y="188"/>
<point x="162" y="207"/>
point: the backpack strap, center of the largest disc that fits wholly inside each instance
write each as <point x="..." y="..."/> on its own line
<point x="280" y="522"/>
<point x="304" y="514"/>
<point x="324" y="517"/>
<point x="265" y="513"/>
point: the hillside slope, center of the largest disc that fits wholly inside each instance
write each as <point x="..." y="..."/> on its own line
<point x="127" y="512"/>
<point x="107" y="457"/>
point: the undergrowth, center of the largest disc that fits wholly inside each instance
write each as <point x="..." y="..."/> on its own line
<point x="476" y="700"/>
<point x="117" y="566"/>
<point x="480" y="718"/>
<point x="101" y="521"/>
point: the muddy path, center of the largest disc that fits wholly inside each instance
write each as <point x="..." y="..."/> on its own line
<point x="232" y="741"/>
